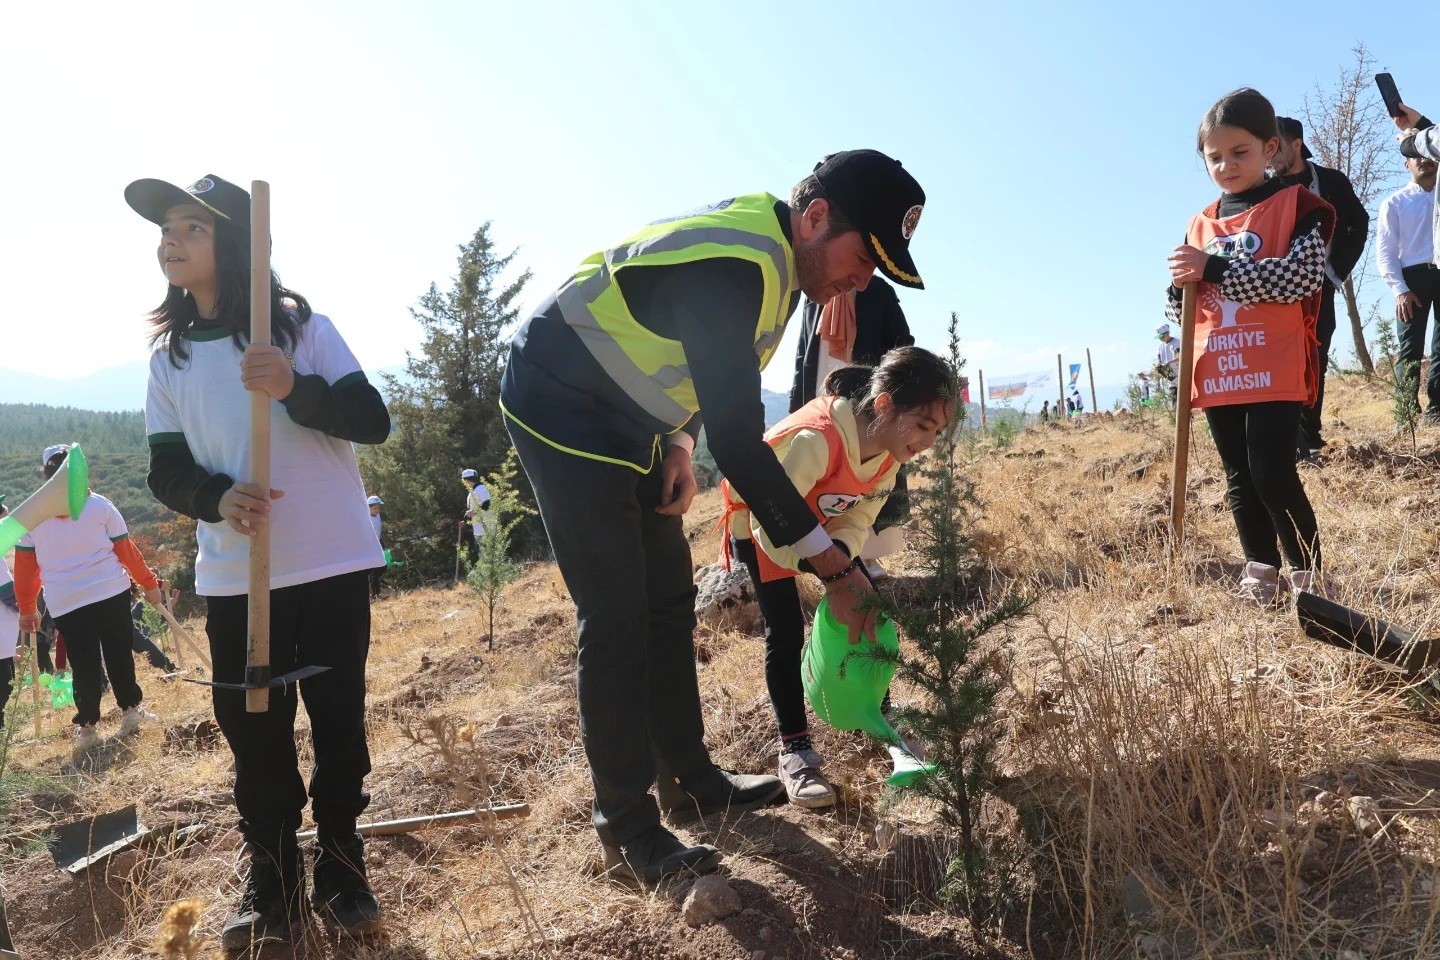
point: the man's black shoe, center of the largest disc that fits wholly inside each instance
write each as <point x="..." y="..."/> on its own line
<point x="342" y="896"/>
<point x="655" y="855"/>
<point x="273" y="899"/>
<point x="716" y="792"/>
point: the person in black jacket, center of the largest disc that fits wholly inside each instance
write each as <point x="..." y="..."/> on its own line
<point x="1352" y="225"/>
<point x="880" y="326"/>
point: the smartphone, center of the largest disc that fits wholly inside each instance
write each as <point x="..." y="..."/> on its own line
<point x="1389" y="93"/>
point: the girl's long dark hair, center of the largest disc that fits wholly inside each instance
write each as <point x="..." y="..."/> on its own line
<point x="178" y="313"/>
<point x="915" y="378"/>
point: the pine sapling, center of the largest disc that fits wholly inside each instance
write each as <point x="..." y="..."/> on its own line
<point x="493" y="569"/>
<point x="956" y="680"/>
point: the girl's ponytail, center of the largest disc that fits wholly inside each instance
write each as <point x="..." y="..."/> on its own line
<point x="852" y="383"/>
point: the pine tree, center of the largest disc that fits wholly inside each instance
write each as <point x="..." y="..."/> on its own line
<point x="445" y="411"/>
<point x="955" y="713"/>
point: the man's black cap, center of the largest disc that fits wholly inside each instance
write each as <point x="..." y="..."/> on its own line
<point x="151" y="198"/>
<point x="883" y="201"/>
<point x="1292" y="129"/>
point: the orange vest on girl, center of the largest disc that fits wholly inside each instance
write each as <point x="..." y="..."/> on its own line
<point x="835" y="494"/>
<point x="1258" y="352"/>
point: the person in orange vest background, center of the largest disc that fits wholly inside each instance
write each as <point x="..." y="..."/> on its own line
<point x="1258" y="254"/>
<point x="842" y="452"/>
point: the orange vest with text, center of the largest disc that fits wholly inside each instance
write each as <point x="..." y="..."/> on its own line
<point x="836" y="493"/>
<point x="1257" y="352"/>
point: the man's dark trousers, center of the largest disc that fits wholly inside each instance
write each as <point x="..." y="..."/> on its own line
<point x="1310" y="438"/>
<point x="629" y="572"/>
<point x="1424" y="281"/>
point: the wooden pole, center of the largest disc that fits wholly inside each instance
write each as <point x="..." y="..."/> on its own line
<point x="1182" y="415"/>
<point x="1060" y="380"/>
<point x="257" y="658"/>
<point x="182" y="637"/>
<point x="392" y="828"/>
<point x="1094" y="404"/>
<point x="982" y="401"/>
<point x="178" y="644"/>
<point x="35" y="679"/>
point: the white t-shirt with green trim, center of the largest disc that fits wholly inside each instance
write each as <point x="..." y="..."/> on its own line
<point x="321" y="527"/>
<point x="77" y="559"/>
<point x="9" y="619"/>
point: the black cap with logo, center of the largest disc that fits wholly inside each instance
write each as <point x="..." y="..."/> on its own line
<point x="1292" y="129"/>
<point x="881" y="198"/>
<point x="151" y="198"/>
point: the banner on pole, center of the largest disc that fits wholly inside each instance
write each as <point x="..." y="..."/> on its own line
<point x="964" y="390"/>
<point x="1019" y="385"/>
<point x="1074" y="375"/>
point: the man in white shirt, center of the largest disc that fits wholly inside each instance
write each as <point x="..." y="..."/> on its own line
<point x="477" y="501"/>
<point x="1167" y="357"/>
<point x="1405" y="253"/>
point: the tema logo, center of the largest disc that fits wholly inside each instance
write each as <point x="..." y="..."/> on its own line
<point x="1245" y="242"/>
<point x="835" y="504"/>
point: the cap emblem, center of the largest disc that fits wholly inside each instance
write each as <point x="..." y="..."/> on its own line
<point x="910" y="221"/>
<point x="203" y="185"/>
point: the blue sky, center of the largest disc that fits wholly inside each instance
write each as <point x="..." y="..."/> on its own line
<point x="1054" y="141"/>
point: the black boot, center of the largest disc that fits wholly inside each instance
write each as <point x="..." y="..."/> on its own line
<point x="273" y="899"/>
<point x="715" y="793"/>
<point x="654" y="855"/>
<point x="342" y="894"/>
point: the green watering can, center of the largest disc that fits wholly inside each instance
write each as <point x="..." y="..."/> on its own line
<point x="66" y="492"/>
<point x="845" y="687"/>
<point x="390" y="561"/>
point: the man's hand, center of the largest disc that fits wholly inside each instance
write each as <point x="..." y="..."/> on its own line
<point x="265" y="367"/>
<point x="245" y="507"/>
<point x="849" y="596"/>
<point x="1405" y="306"/>
<point x="1187" y="264"/>
<point x="677" y="482"/>
<point x="1407" y="120"/>
<point x="30" y="623"/>
<point x="154" y="597"/>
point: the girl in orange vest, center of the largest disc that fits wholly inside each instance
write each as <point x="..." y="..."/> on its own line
<point x="1258" y="255"/>
<point x="841" y="451"/>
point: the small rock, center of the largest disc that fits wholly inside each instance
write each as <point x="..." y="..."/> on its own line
<point x="1277" y="820"/>
<point x="765" y="934"/>
<point x="887" y="834"/>
<point x="710" y="899"/>
<point x="723" y="597"/>
<point x="1152" y="946"/>
<point x="1301" y="887"/>
<point x="1427" y="887"/>
<point x="450" y="616"/>
<point x="1137" y="901"/>
<point x="1365" y="814"/>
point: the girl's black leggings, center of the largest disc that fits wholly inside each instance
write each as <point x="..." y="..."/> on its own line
<point x="1272" y="513"/>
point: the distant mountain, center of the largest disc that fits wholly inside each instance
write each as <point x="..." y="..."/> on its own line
<point x="114" y="388"/>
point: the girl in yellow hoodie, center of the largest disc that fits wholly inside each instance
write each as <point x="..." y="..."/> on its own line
<point x="841" y="451"/>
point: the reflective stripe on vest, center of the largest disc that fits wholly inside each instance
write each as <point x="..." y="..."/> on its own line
<point x="651" y="369"/>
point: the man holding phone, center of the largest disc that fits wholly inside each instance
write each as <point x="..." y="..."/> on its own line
<point x="1420" y="280"/>
<point x="1293" y="163"/>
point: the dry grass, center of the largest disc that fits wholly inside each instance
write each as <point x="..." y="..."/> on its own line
<point x="1184" y="769"/>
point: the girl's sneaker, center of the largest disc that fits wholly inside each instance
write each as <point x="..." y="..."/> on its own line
<point x="87" y="738"/>
<point x="1308" y="581"/>
<point x="1262" y="585"/>
<point x="804" y="784"/>
<point x="132" y="720"/>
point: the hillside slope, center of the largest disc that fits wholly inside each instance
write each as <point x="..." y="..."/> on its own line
<point x="1177" y="768"/>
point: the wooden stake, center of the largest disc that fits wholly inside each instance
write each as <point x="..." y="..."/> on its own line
<point x="35" y="679"/>
<point x="183" y="638"/>
<point x="982" y="401"/>
<point x="178" y="645"/>
<point x="1182" y="415"/>
<point x="393" y="828"/>
<point x="257" y="656"/>
<point x="1094" y="404"/>
<point x="1060" y="379"/>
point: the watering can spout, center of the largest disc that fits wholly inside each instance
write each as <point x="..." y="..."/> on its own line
<point x="846" y="683"/>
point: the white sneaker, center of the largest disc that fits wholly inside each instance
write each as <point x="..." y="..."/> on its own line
<point x="1261" y="584"/>
<point x="133" y="718"/>
<point x="1308" y="581"/>
<point x="804" y="784"/>
<point x="87" y="738"/>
